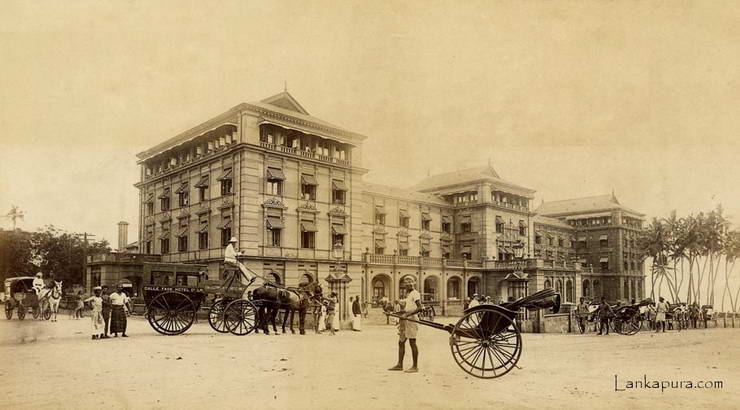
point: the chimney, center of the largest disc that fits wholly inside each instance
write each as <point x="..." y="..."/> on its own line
<point x="122" y="236"/>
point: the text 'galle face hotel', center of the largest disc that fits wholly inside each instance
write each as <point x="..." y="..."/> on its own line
<point x="290" y="188"/>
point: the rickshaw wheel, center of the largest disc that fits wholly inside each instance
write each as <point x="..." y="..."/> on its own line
<point x="8" y="310"/>
<point x="486" y="343"/>
<point x="240" y="317"/>
<point x="21" y="311"/>
<point x="171" y="313"/>
<point x="216" y="316"/>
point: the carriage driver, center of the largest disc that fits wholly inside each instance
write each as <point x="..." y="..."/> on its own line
<point x="38" y="283"/>
<point x="408" y="329"/>
<point x="231" y="262"/>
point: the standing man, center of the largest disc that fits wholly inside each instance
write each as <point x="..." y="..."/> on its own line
<point x="582" y="315"/>
<point x="356" y="315"/>
<point x="105" y="295"/>
<point x="230" y="261"/>
<point x="605" y="314"/>
<point x="331" y="303"/>
<point x="474" y="302"/>
<point x="660" y="310"/>
<point x="408" y="329"/>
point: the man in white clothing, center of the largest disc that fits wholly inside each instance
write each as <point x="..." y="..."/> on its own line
<point x="38" y="283"/>
<point x="408" y="330"/>
<point x="231" y="262"/>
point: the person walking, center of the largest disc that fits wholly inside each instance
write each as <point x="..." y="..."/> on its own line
<point x="660" y="311"/>
<point x="356" y="315"/>
<point x="408" y="330"/>
<point x="118" y="321"/>
<point x="582" y="315"/>
<point x="105" y="296"/>
<point x="97" y="313"/>
<point x="605" y="315"/>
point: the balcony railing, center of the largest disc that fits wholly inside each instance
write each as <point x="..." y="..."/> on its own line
<point x="304" y="153"/>
<point x="428" y="261"/>
<point x="186" y="162"/>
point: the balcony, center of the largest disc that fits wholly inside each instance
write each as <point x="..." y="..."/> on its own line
<point x="510" y="205"/>
<point x="304" y="154"/>
<point x="195" y="159"/>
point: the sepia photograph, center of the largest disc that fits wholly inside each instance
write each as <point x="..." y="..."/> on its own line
<point x="329" y="204"/>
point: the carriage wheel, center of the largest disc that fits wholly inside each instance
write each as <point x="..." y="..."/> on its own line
<point x="240" y="317"/>
<point x="216" y="316"/>
<point x="171" y="313"/>
<point x="21" y="311"/>
<point x="36" y="312"/>
<point x="480" y="350"/>
<point x="8" y="310"/>
<point x="47" y="313"/>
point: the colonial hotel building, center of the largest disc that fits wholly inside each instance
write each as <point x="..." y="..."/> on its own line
<point x="290" y="188"/>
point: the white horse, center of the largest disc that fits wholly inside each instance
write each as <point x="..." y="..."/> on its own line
<point x="52" y="296"/>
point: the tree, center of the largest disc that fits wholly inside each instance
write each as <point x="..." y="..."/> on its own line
<point x="62" y="253"/>
<point x="14" y="214"/>
<point x="16" y="255"/>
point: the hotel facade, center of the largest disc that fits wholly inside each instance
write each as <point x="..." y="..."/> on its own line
<point x="290" y="188"/>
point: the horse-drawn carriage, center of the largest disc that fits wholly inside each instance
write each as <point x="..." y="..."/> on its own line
<point x="20" y="296"/>
<point x="171" y="308"/>
<point x="486" y="342"/>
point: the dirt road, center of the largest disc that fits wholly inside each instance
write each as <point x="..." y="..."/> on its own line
<point x="55" y="365"/>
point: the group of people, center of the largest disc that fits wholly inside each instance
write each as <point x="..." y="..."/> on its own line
<point x="480" y="300"/>
<point x="109" y="312"/>
<point x="655" y="314"/>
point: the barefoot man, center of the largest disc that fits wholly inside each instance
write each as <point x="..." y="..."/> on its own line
<point x="408" y="329"/>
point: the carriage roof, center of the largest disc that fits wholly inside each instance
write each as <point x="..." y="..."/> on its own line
<point x="17" y="278"/>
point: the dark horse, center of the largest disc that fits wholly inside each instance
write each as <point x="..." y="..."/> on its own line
<point x="271" y="298"/>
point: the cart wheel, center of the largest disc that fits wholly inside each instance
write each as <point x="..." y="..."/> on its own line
<point x="8" y="310"/>
<point x="632" y="326"/>
<point x="22" y="311"/>
<point x="36" y="312"/>
<point x="47" y="313"/>
<point x="171" y="313"/>
<point x="240" y="317"/>
<point x="486" y="343"/>
<point x="216" y="316"/>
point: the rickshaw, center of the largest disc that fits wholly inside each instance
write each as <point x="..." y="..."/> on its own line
<point x="20" y="296"/>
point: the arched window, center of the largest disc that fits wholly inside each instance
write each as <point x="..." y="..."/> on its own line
<point x="430" y="289"/>
<point x="568" y="291"/>
<point x="305" y="279"/>
<point x="453" y="288"/>
<point x="473" y="286"/>
<point x="548" y="284"/>
<point x="274" y="277"/>
<point x="586" y="289"/>
<point x="559" y="286"/>
<point x="597" y="289"/>
<point x="378" y="289"/>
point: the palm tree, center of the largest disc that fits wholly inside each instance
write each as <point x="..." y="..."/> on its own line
<point x="731" y="250"/>
<point x="14" y="214"/>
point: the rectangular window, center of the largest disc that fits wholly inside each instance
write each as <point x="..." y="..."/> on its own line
<point x="404" y="222"/>
<point x="379" y="219"/>
<point x="604" y="264"/>
<point x="182" y="243"/>
<point x="560" y="242"/>
<point x="425" y="225"/>
<point x="165" y="244"/>
<point x="604" y="241"/>
<point x="465" y="227"/>
<point x="203" y="240"/>
<point x="273" y="237"/>
<point x="225" y="236"/>
<point x="307" y="240"/>
<point x="226" y="182"/>
<point x="164" y="200"/>
<point x="275" y="188"/>
<point x="150" y="208"/>
<point x="148" y="247"/>
<point x="202" y="193"/>
<point x="522" y="228"/>
<point x="182" y="198"/>
<point x="338" y="191"/>
<point x="626" y="265"/>
<point x="275" y="178"/>
<point x="308" y="187"/>
<point x="538" y="239"/>
<point x="446" y="227"/>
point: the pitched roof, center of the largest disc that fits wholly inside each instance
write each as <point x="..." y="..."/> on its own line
<point x="466" y="176"/>
<point x="402" y="194"/>
<point x="554" y="222"/>
<point x="583" y="205"/>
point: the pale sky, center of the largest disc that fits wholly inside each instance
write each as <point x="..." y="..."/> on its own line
<point x="568" y="98"/>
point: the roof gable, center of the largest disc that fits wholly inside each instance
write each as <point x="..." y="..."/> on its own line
<point x="286" y="101"/>
<point x="468" y="176"/>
